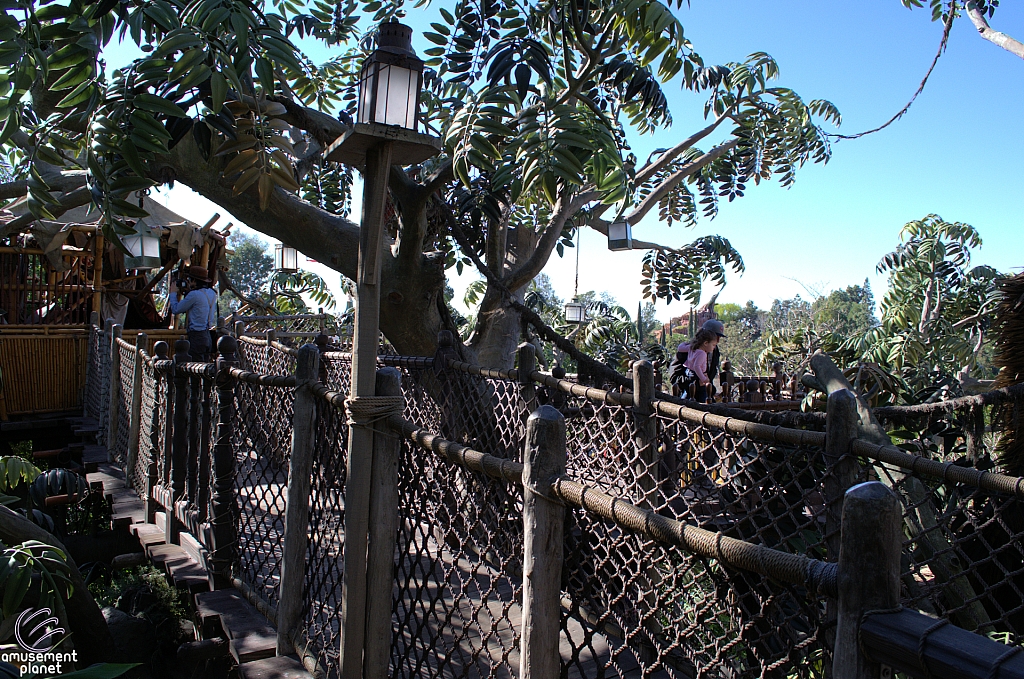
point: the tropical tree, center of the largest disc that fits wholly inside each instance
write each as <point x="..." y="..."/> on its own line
<point x="535" y="101"/>
<point x="249" y="265"/>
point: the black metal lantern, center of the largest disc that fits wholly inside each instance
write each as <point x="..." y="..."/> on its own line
<point x="286" y="259"/>
<point x="143" y="248"/>
<point x="575" y="312"/>
<point x="391" y="79"/>
<point x="620" y="236"/>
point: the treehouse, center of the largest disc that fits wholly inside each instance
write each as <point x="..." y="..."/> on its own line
<point x="56" y="276"/>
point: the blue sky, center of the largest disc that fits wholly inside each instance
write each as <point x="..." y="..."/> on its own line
<point x="956" y="153"/>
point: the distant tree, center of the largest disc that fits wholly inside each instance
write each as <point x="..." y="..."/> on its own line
<point x="847" y="313"/>
<point x="744" y="327"/>
<point x="250" y="267"/>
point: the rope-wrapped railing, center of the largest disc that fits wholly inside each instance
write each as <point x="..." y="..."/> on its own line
<point x="281" y="381"/>
<point x="947" y="471"/>
<point x="763" y="432"/>
<point x="817" y="576"/>
<point x="207" y="371"/>
<point x="255" y="341"/>
<point x="334" y="398"/>
<point x="121" y="342"/>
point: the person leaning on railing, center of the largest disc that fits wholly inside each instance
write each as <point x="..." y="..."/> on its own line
<point x="200" y="305"/>
<point x="677" y="367"/>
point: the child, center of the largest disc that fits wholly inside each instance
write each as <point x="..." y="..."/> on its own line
<point x="697" y="361"/>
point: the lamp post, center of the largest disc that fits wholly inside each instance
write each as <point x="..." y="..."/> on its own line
<point x="143" y="248"/>
<point x="384" y="134"/>
<point x="286" y="259"/>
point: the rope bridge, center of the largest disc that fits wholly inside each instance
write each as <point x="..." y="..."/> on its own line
<point x="695" y="543"/>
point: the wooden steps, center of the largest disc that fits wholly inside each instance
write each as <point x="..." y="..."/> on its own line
<point x="126" y="507"/>
<point x="279" y="667"/>
<point x="250" y="636"/>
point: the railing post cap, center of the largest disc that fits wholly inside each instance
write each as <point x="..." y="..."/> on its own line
<point x="445" y="338"/>
<point x="546" y="413"/>
<point x="181" y="346"/>
<point x="558" y="372"/>
<point x="161" y="349"/>
<point x="307" y="361"/>
<point x="227" y="344"/>
<point x="870" y="491"/>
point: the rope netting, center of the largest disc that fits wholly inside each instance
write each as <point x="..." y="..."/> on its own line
<point x="262" y="448"/>
<point x="150" y="432"/>
<point x="324" y="552"/>
<point x="97" y="389"/>
<point x="126" y="372"/>
<point x="633" y="604"/>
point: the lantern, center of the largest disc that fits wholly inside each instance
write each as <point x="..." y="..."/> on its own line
<point x="620" y="236"/>
<point x="390" y="82"/>
<point x="143" y="248"/>
<point x="575" y="312"/>
<point x="286" y="259"/>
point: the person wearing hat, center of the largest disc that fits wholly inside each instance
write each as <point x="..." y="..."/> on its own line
<point x="677" y="367"/>
<point x="200" y="305"/>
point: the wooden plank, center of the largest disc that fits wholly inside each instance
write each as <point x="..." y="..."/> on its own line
<point x="253" y="647"/>
<point x="280" y="667"/>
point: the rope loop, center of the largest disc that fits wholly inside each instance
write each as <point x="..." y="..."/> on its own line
<point x="993" y="672"/>
<point x="922" y="644"/>
<point x="364" y="411"/>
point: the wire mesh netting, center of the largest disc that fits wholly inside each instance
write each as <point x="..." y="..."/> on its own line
<point x="458" y="576"/>
<point x="324" y="562"/>
<point x="126" y="372"/>
<point x="149" y="427"/>
<point x="262" y="450"/>
<point x="260" y="356"/>
<point x="97" y="396"/>
<point x="336" y="371"/>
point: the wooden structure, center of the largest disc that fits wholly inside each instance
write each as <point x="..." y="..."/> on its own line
<point x="56" y="278"/>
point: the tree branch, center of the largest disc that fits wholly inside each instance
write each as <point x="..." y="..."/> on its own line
<point x="673" y="180"/>
<point x="529" y="269"/>
<point x="1009" y="44"/>
<point x="63" y="182"/>
<point x="328" y="238"/>
<point x="652" y="168"/>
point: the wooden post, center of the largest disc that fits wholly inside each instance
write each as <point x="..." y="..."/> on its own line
<point x="179" y="440"/>
<point x="840" y="432"/>
<point x="726" y="380"/>
<point x="296" y="516"/>
<point x="543" y="519"/>
<point x="869" y="572"/>
<point x="141" y="342"/>
<point x="225" y="502"/>
<point x="364" y="376"/>
<point x="645" y="430"/>
<point x="527" y="391"/>
<point x="157" y="446"/>
<point x="97" y="272"/>
<point x="239" y="329"/>
<point x="380" y="557"/>
<point x="115" y="389"/>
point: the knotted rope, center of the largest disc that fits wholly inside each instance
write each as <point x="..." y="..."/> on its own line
<point x="366" y="411"/>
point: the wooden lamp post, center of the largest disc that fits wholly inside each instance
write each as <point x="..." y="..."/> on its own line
<point x="385" y="133"/>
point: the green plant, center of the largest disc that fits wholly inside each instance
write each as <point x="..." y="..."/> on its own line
<point x="144" y="592"/>
<point x="18" y="565"/>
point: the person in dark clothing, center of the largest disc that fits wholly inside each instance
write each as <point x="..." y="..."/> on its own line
<point x="677" y="369"/>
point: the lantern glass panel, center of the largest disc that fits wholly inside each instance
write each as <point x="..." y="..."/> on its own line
<point x="150" y="246"/>
<point x="286" y="259"/>
<point x="134" y="245"/>
<point x="388" y="95"/>
<point x="620" y="236"/>
<point x="574" y="312"/>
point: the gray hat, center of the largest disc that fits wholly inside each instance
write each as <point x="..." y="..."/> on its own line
<point x="714" y="326"/>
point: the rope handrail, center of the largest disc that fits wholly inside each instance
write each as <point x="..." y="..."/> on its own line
<point x="255" y="341"/>
<point x="994" y="397"/>
<point x="731" y="425"/>
<point x="947" y="471"/>
<point x="284" y="348"/>
<point x="817" y="576"/>
<point x="282" y="381"/>
<point x="121" y="342"/>
<point x="333" y="398"/>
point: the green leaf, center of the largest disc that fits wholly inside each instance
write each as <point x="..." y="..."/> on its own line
<point x="157" y="104"/>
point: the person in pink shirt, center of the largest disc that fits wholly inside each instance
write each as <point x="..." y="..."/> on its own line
<point x="697" y="362"/>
